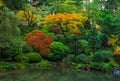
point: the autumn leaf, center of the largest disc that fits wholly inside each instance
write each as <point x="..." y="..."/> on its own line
<point x="117" y="50"/>
<point x="71" y="21"/>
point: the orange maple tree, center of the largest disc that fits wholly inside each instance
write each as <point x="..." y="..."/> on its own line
<point x="39" y="41"/>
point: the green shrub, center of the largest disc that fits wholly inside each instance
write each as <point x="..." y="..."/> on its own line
<point x="50" y="55"/>
<point x="109" y="66"/>
<point x="45" y="63"/>
<point x="96" y="66"/>
<point x="49" y="33"/>
<point x="70" y="58"/>
<point x="83" y="43"/>
<point x="79" y="66"/>
<point x="82" y="58"/>
<point x="87" y="50"/>
<point x="55" y="56"/>
<point x="97" y="57"/>
<point x="26" y="48"/>
<point x="33" y="57"/>
<point x="6" y="65"/>
<point x="60" y="38"/>
<point x="12" y="50"/>
<point x="25" y="30"/>
<point x="21" y="58"/>
<point x="58" y="50"/>
<point x="107" y="55"/>
<point x="113" y="64"/>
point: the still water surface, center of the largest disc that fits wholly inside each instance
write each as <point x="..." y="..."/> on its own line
<point x="56" y="74"/>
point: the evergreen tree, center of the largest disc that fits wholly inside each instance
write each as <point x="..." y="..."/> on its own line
<point x="10" y="43"/>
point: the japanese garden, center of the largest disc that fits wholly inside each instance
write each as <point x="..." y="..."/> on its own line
<point x="59" y="40"/>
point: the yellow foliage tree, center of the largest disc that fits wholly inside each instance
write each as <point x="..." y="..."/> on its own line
<point x="113" y="40"/>
<point x="30" y="14"/>
<point x="117" y="50"/>
<point x="1" y="3"/>
<point x="27" y="15"/>
<point x="65" y="21"/>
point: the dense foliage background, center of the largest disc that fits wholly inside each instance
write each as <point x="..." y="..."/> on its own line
<point x="74" y="31"/>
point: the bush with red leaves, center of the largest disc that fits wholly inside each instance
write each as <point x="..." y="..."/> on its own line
<point x="39" y="41"/>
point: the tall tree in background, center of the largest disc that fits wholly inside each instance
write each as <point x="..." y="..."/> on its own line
<point x="93" y="13"/>
<point x="62" y="7"/>
<point x="111" y="5"/>
<point x="10" y="42"/>
<point x="14" y="4"/>
<point x="29" y="14"/>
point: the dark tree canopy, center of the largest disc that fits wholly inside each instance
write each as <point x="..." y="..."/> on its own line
<point x="14" y="4"/>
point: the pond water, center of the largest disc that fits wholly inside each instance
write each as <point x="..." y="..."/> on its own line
<point x="55" y="74"/>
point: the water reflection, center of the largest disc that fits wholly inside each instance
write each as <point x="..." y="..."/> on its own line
<point x="56" y="74"/>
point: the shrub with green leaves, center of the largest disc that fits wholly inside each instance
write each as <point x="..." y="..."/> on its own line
<point x="49" y="33"/>
<point x="70" y="58"/>
<point x="96" y="66"/>
<point x="33" y="57"/>
<point x="88" y="50"/>
<point x="21" y="58"/>
<point x="103" y="66"/>
<point x="13" y="50"/>
<point x="60" y="38"/>
<point x="26" y="48"/>
<point x="97" y="57"/>
<point x="58" y="50"/>
<point x="83" y="43"/>
<point x="82" y="58"/>
<point x="106" y="54"/>
<point x="25" y="30"/>
<point x="29" y="57"/>
<point x="113" y="64"/>
<point x="45" y="63"/>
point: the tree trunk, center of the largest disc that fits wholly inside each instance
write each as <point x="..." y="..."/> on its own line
<point x="63" y="32"/>
<point x="0" y="53"/>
